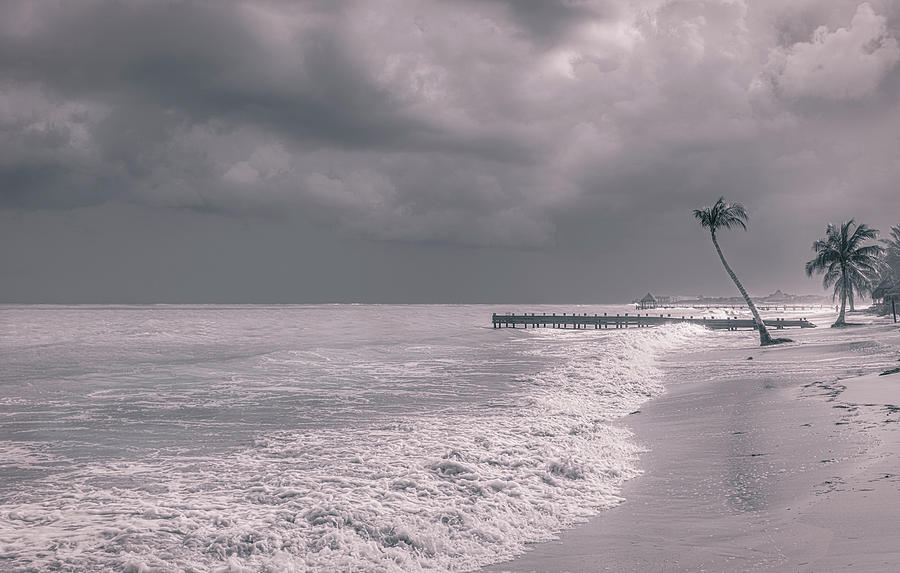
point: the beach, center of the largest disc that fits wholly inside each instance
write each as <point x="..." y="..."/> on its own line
<point x="786" y="462"/>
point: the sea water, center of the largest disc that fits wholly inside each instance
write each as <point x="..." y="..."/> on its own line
<point x="308" y="438"/>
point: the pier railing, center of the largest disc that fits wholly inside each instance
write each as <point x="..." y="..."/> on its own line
<point x="637" y="320"/>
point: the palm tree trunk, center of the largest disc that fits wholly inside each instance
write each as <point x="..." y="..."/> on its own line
<point x="841" y="321"/>
<point x="764" y="338"/>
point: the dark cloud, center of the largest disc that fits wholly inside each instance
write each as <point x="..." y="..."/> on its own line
<point x="207" y="61"/>
<point x="550" y="21"/>
<point x="553" y="127"/>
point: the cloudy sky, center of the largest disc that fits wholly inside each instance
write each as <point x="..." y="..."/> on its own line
<point x="435" y="151"/>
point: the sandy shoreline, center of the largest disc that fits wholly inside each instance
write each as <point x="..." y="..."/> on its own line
<point x="788" y="462"/>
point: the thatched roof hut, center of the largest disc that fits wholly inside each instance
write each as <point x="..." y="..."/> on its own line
<point x="648" y="301"/>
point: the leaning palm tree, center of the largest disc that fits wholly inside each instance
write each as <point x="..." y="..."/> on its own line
<point x="848" y="264"/>
<point x="722" y="215"/>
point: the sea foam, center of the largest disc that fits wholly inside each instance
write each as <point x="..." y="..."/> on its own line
<point x="453" y="491"/>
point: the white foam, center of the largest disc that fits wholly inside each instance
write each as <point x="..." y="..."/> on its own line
<point x="448" y="492"/>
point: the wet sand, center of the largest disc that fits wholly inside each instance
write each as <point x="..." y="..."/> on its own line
<point x="788" y="462"/>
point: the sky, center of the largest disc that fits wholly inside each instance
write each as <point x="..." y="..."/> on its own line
<point x="499" y="151"/>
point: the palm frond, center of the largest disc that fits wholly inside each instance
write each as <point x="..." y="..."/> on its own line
<point x="722" y="215"/>
<point x="862" y="233"/>
<point x="868" y="251"/>
<point x="831" y="277"/>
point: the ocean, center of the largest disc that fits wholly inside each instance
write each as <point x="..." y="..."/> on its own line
<point x="309" y="437"/>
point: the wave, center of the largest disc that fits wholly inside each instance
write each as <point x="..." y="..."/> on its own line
<point x="453" y="492"/>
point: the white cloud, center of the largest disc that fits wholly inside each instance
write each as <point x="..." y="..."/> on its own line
<point x="844" y="64"/>
<point x="242" y="172"/>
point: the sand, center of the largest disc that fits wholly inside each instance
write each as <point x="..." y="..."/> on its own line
<point x="788" y="462"/>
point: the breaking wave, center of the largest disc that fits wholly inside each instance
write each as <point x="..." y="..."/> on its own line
<point x="452" y="491"/>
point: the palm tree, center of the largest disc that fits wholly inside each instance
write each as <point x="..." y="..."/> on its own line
<point x="888" y="288"/>
<point x="847" y="263"/>
<point x="889" y="269"/>
<point x="724" y="215"/>
<point x="892" y="251"/>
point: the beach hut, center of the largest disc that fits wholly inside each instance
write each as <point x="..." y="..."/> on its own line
<point x="648" y="301"/>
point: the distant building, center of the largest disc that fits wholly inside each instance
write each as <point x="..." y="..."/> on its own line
<point x="779" y="296"/>
<point x="648" y="301"/>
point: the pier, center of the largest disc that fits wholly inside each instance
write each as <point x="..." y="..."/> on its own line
<point x="627" y="320"/>
<point x="712" y="306"/>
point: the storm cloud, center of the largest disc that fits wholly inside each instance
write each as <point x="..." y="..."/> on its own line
<point x="466" y="133"/>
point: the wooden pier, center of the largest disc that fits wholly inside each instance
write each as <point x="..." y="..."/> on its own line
<point x="627" y="320"/>
<point x="763" y="306"/>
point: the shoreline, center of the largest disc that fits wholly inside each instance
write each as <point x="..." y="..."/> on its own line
<point x="788" y="462"/>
